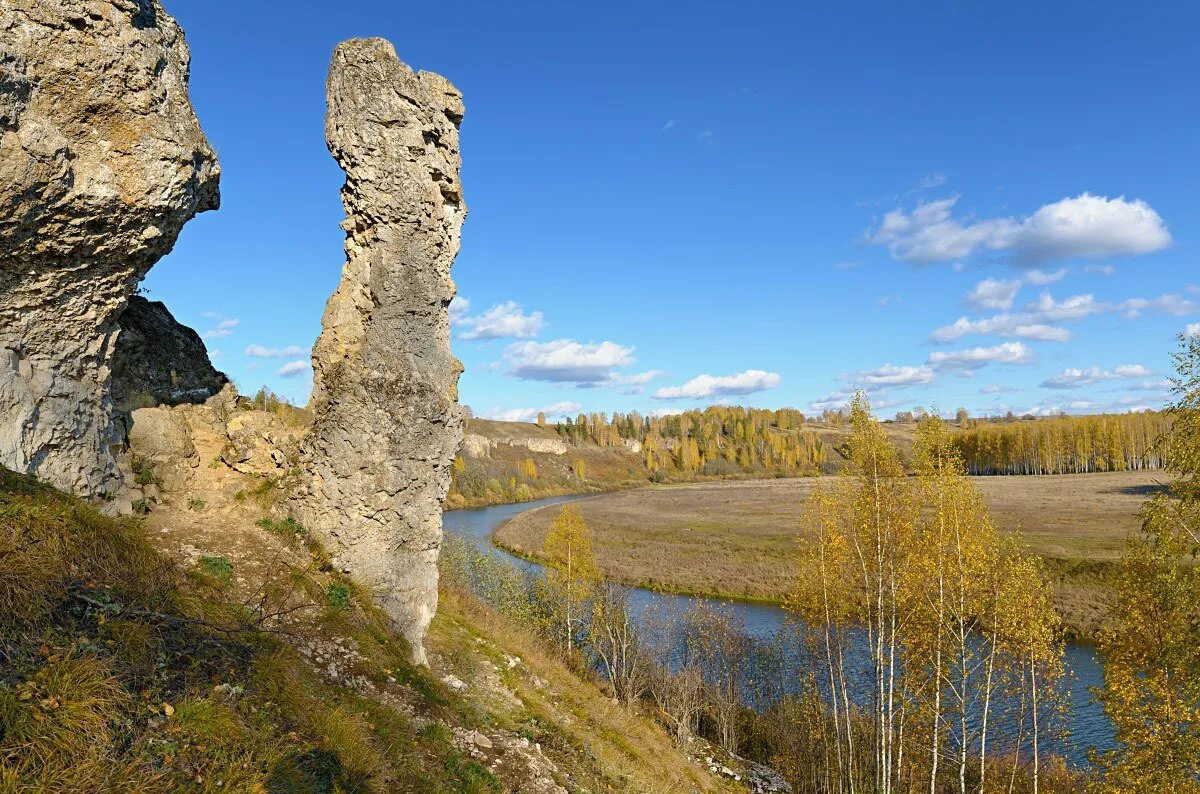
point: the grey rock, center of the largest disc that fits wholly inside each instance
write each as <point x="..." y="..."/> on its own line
<point x="102" y="161"/>
<point x="159" y="361"/>
<point x="386" y="419"/>
<point x="162" y="437"/>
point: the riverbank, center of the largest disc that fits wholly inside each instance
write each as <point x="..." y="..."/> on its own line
<point x="761" y="620"/>
<point x="735" y="539"/>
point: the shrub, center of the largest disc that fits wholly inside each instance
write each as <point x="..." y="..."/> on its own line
<point x="197" y="504"/>
<point x="142" y="506"/>
<point x="219" y="568"/>
<point x="337" y="595"/>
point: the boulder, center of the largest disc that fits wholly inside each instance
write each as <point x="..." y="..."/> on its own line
<point x="102" y="161"/>
<point x="158" y="361"/>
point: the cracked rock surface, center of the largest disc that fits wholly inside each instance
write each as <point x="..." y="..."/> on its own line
<point x="102" y="161"/>
<point x="387" y="422"/>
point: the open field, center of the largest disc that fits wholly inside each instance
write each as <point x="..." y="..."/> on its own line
<point x="735" y="538"/>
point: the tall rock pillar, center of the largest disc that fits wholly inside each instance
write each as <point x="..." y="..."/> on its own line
<point x="385" y="385"/>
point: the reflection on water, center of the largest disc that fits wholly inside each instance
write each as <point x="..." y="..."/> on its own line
<point x="1089" y="728"/>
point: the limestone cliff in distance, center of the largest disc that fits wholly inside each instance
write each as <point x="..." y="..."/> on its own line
<point x="385" y="384"/>
<point x="102" y="161"/>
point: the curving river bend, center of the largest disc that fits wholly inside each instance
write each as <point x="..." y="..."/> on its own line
<point x="1089" y="727"/>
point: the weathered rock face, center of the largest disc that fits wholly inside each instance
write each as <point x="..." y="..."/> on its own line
<point x="102" y="161"/>
<point x="387" y="423"/>
<point x="158" y="361"/>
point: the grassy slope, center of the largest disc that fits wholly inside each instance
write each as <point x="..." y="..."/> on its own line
<point x="121" y="670"/>
<point x="735" y="538"/>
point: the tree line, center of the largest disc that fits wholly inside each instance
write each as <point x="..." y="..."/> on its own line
<point x="715" y="441"/>
<point x="1065" y="444"/>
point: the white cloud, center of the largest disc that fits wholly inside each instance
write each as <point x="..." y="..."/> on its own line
<point x="293" y="369"/>
<point x="1034" y="322"/>
<point x="567" y="361"/>
<point x="1042" y="277"/>
<point x="1021" y="326"/>
<point x="1071" y="378"/>
<point x="994" y="294"/>
<point x="1103" y="270"/>
<point x="931" y="180"/>
<point x="748" y="382"/>
<point x="704" y="136"/>
<point x="260" y="351"/>
<point x="847" y="265"/>
<point x="556" y="410"/>
<point x="504" y="320"/>
<point x="1085" y="226"/>
<point x="888" y="300"/>
<point x="890" y="376"/>
<point x="223" y="328"/>
<point x="1175" y="305"/>
<point x="1193" y="329"/>
<point x="1153" y="385"/>
<point x="458" y="309"/>
<point x="996" y="388"/>
<point x="976" y="357"/>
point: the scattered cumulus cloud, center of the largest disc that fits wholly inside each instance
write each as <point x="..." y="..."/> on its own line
<point x="1176" y="305"/>
<point x="224" y="326"/>
<point x="1153" y="385"/>
<point x="1083" y="227"/>
<point x="890" y="376"/>
<point x="554" y="411"/>
<point x="567" y="361"/>
<point x="702" y="386"/>
<point x="996" y="388"/>
<point x="1037" y="319"/>
<point x="1193" y="329"/>
<point x="1043" y="277"/>
<point x="994" y="294"/>
<point x="458" y="309"/>
<point x="1103" y="270"/>
<point x="670" y="123"/>
<point x="976" y="357"/>
<point x="502" y="321"/>
<point x="261" y="351"/>
<point x="293" y="369"/>
<point x="1071" y="378"/>
<point x="887" y="300"/>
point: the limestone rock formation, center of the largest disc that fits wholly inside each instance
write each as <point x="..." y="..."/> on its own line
<point x="387" y="423"/>
<point x="102" y="161"/>
<point x="158" y="361"/>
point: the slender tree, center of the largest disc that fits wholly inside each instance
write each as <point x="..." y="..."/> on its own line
<point x="571" y="575"/>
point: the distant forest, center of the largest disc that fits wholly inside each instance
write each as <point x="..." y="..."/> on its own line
<point x="716" y="441"/>
<point x="1065" y="444"/>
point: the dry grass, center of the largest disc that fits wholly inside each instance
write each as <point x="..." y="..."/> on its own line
<point x="596" y="744"/>
<point x="736" y="538"/>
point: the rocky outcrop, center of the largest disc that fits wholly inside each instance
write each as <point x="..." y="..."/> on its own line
<point x="102" y="161"/>
<point x="158" y="361"/>
<point x="387" y="423"/>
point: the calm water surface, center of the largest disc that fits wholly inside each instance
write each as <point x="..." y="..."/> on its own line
<point x="1089" y="728"/>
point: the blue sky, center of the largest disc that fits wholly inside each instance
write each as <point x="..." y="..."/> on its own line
<point x="676" y="204"/>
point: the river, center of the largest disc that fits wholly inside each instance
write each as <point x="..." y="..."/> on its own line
<point x="1088" y="726"/>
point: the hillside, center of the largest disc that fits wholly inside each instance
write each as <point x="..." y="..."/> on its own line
<point x="211" y="645"/>
<point x="504" y="462"/>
